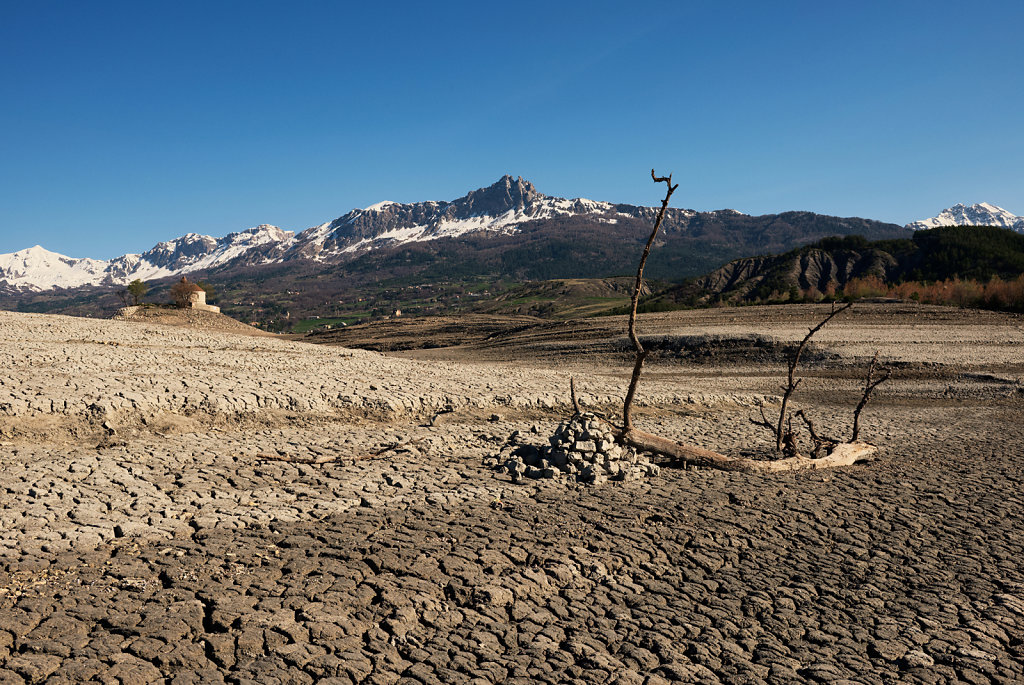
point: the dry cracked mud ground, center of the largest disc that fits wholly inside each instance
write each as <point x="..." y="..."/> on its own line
<point x="156" y="524"/>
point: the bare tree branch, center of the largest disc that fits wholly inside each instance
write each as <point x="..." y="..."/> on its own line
<point x="764" y="422"/>
<point x="792" y="384"/>
<point x="641" y="354"/>
<point x="845" y="454"/>
<point x="819" y="443"/>
<point x="572" y="395"/>
<point x="869" y="387"/>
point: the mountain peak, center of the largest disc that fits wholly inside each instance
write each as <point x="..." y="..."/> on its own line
<point x="979" y="214"/>
<point x="267" y="232"/>
<point x="378" y="206"/>
<point x="36" y="250"/>
<point x="36" y="268"/>
<point x="505" y="194"/>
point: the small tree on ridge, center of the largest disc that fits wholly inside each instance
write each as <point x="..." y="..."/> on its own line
<point x="137" y="289"/>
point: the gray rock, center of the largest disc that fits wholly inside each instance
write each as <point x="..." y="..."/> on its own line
<point x="582" y="448"/>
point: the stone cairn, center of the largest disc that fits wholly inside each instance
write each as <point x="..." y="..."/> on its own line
<point x="582" y="449"/>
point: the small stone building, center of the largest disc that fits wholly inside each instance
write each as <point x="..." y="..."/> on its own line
<point x="196" y="296"/>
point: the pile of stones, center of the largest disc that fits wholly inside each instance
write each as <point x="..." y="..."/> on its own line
<point x="582" y="449"/>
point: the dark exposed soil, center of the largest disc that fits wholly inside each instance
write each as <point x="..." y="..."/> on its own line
<point x="414" y="333"/>
<point x="731" y="335"/>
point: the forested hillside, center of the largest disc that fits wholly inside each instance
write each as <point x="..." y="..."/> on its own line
<point x="949" y="264"/>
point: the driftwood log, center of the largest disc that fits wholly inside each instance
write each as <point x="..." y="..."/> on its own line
<point x="843" y="454"/>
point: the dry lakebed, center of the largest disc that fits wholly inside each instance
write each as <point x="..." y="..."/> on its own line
<point x="185" y="505"/>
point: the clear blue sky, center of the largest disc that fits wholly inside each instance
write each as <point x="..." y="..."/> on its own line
<point x="126" y="123"/>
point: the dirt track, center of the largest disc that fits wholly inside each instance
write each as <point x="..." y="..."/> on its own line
<point x="173" y="543"/>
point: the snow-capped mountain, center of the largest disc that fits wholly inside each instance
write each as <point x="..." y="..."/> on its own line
<point x="510" y="215"/>
<point x="500" y="209"/>
<point x="39" y="269"/>
<point x="36" y="268"/>
<point x="981" y="214"/>
<point x="194" y="252"/>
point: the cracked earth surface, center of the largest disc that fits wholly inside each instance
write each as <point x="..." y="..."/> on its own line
<point x="157" y="525"/>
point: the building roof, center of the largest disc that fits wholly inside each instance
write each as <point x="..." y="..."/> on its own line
<point x="191" y="287"/>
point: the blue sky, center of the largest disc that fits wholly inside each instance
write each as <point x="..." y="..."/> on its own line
<point x="123" y="124"/>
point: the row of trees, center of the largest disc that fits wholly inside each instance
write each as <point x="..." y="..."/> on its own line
<point x="995" y="293"/>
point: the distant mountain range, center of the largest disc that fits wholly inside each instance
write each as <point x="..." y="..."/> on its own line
<point x="981" y="214"/>
<point x="39" y="269"/>
<point x="507" y="229"/>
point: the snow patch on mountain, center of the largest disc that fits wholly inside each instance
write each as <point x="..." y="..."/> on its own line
<point x="379" y="206"/>
<point x="499" y="209"/>
<point x="234" y="245"/>
<point x="507" y="223"/>
<point x="980" y="214"/>
<point x="39" y="269"/>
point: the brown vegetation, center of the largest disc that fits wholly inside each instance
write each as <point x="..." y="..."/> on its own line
<point x="996" y="293"/>
<point x="181" y="292"/>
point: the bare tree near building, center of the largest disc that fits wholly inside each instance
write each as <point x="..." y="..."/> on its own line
<point x="181" y="292"/>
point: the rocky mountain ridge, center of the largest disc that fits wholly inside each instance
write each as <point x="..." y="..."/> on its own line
<point x="823" y="269"/>
<point x="500" y="208"/>
<point x="492" y="218"/>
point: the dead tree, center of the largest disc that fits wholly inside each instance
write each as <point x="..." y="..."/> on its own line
<point x="824" y="443"/>
<point x="869" y="387"/>
<point x="785" y="440"/>
<point x="840" y="454"/>
<point x="819" y="443"/>
<point x="572" y="396"/>
<point x="641" y="353"/>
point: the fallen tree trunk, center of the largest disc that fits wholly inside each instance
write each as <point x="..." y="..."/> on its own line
<point x="844" y="454"/>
